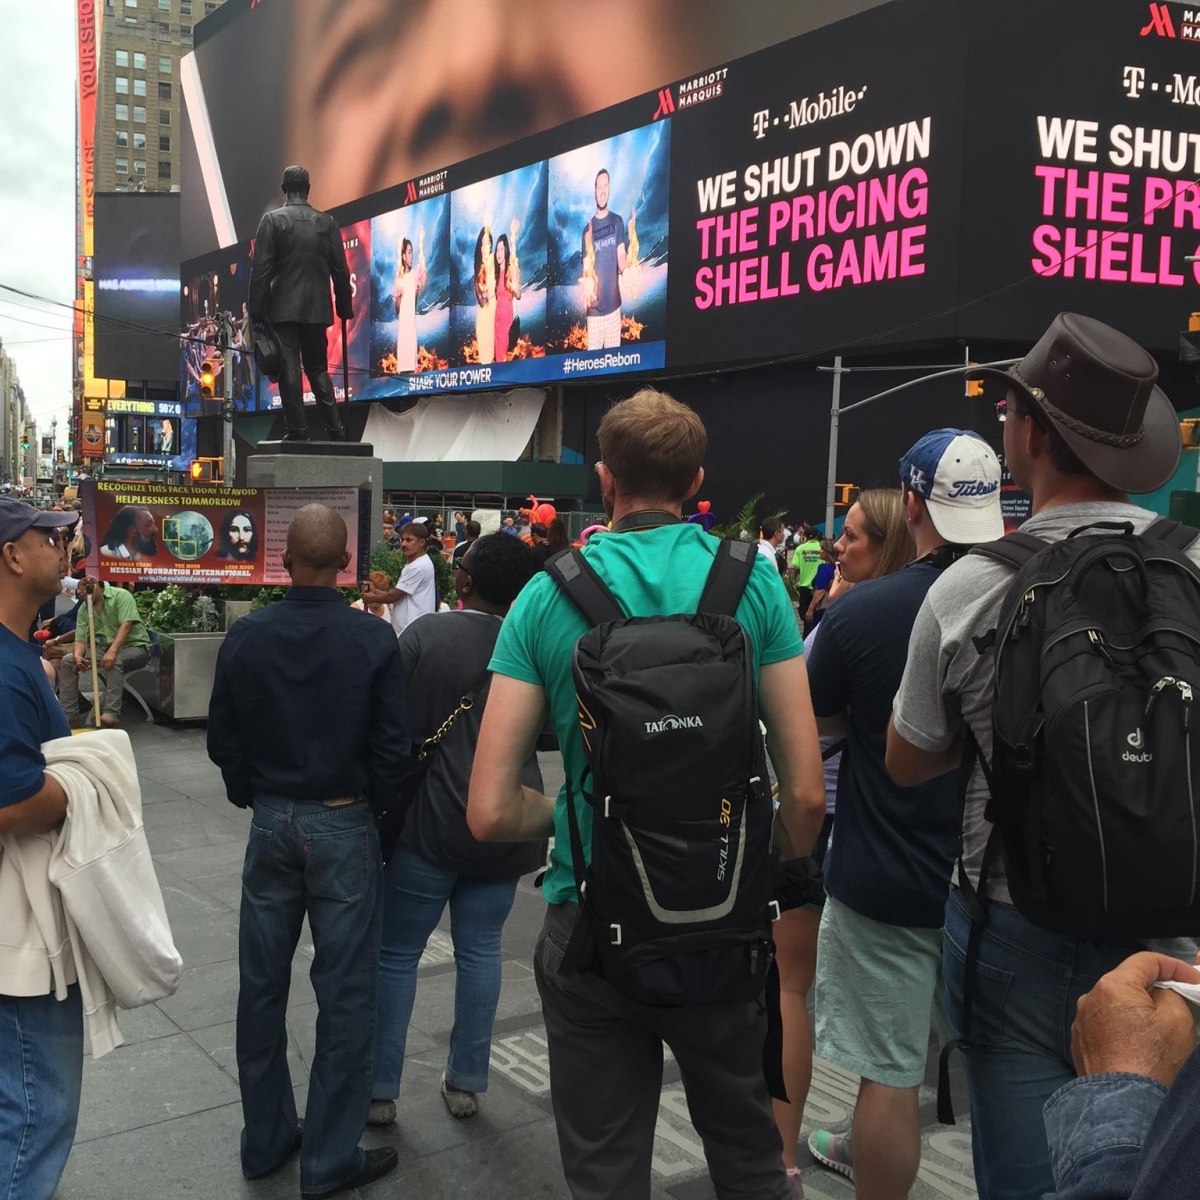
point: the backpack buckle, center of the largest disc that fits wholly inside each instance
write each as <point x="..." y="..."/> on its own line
<point x="774" y="910"/>
<point x="607" y="802"/>
<point x="614" y="934"/>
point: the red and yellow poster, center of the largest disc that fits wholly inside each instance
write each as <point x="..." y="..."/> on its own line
<point x="92" y="430"/>
<point x="147" y="533"/>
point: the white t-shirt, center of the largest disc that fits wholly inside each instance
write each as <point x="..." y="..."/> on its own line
<point x="418" y="581"/>
<point x="768" y="552"/>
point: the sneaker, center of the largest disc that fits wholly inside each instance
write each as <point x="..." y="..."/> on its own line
<point x="832" y="1149"/>
<point x="460" y="1104"/>
<point x="382" y="1112"/>
<point x="796" y="1183"/>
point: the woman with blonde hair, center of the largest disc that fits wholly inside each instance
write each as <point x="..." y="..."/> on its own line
<point x="875" y="542"/>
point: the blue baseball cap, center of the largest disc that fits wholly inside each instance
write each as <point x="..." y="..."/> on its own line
<point x="16" y="517"/>
<point x="957" y="474"/>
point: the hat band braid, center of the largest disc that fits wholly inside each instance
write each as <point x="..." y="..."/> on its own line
<point x="1088" y="431"/>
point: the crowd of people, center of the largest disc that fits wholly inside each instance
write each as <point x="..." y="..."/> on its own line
<point x="418" y="789"/>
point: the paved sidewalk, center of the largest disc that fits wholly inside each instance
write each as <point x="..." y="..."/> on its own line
<point x="161" y="1117"/>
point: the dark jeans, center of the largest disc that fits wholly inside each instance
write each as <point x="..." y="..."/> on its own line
<point x="307" y="343"/>
<point x="606" y="1063"/>
<point x="1027" y="984"/>
<point x="306" y="857"/>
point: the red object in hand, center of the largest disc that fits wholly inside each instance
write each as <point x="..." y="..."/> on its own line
<point x="42" y="635"/>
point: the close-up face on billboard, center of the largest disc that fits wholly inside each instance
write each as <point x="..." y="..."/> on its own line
<point x="371" y="93"/>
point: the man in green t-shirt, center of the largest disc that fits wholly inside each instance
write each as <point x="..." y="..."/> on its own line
<point x="606" y="1051"/>
<point x="122" y="645"/>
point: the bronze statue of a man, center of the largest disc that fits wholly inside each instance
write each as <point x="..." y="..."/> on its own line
<point x="296" y="252"/>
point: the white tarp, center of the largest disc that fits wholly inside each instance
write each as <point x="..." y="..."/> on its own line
<point x="482" y="427"/>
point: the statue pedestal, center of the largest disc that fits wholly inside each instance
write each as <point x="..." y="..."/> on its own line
<point x="320" y="464"/>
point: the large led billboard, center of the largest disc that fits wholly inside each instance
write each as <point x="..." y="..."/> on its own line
<point x="135" y="269"/>
<point x="867" y="184"/>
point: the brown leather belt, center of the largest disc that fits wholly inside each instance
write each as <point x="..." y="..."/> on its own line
<point x="339" y="801"/>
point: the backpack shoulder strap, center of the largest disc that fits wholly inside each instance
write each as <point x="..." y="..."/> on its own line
<point x="727" y="578"/>
<point x="583" y="587"/>
<point x="1178" y="537"/>
<point x="1015" y="549"/>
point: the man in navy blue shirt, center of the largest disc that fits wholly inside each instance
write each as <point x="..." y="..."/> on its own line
<point x="308" y="722"/>
<point x="41" y="1038"/>
<point x="888" y="868"/>
<point x="607" y="233"/>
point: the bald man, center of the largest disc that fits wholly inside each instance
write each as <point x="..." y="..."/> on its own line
<point x="308" y="722"/>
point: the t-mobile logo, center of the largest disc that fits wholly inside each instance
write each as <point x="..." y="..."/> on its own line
<point x="1134" y="80"/>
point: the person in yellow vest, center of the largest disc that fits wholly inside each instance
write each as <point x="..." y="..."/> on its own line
<point x="805" y="562"/>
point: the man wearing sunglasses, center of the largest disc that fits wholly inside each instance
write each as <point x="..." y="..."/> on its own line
<point x="41" y="1038"/>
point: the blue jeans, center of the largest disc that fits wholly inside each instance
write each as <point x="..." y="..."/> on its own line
<point x="414" y="899"/>
<point x="304" y="856"/>
<point x="1026" y="986"/>
<point x="41" y="1070"/>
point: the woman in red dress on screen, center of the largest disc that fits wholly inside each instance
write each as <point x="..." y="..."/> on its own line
<point x="508" y="289"/>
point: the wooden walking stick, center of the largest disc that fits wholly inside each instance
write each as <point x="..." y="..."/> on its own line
<point x="92" y="656"/>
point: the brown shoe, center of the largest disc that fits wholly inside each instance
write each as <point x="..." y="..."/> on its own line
<point x="108" y="721"/>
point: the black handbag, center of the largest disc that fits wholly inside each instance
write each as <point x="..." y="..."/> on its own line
<point x="390" y="820"/>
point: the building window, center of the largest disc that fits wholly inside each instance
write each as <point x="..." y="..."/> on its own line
<point x="164" y="145"/>
<point x="121" y="166"/>
<point x="164" y="170"/>
<point x="122" y="112"/>
<point x="139" y="87"/>
<point x="139" y="166"/>
<point x="164" y="116"/>
<point x="139" y="61"/>
<point x="164" y="91"/>
<point x="121" y="83"/>
<point x="164" y="65"/>
<point x="122" y="137"/>
<point x="164" y="29"/>
<point x="131" y="3"/>
<point x="164" y="5"/>
<point x="209" y="8"/>
<point x="122" y="57"/>
<point x="139" y="114"/>
<point x="185" y="8"/>
<point x="185" y="32"/>
<point x="139" y="141"/>
<point x="120" y="187"/>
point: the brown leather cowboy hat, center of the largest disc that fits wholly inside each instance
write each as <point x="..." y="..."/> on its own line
<point x="1098" y="388"/>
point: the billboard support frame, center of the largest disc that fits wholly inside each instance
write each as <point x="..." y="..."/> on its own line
<point x="837" y="411"/>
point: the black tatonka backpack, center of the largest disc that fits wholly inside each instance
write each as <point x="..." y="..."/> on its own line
<point x="676" y="904"/>
<point x="1094" y="780"/>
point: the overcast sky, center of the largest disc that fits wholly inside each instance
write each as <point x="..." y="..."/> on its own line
<point x="37" y="196"/>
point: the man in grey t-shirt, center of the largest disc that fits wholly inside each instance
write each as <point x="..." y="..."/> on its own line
<point x="1084" y="426"/>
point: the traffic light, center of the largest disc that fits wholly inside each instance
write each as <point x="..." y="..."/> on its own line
<point x="208" y="378"/>
<point x="974" y="386"/>
<point x="201" y="470"/>
<point x="1189" y="432"/>
<point x="25" y="444"/>
<point x="844" y="494"/>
